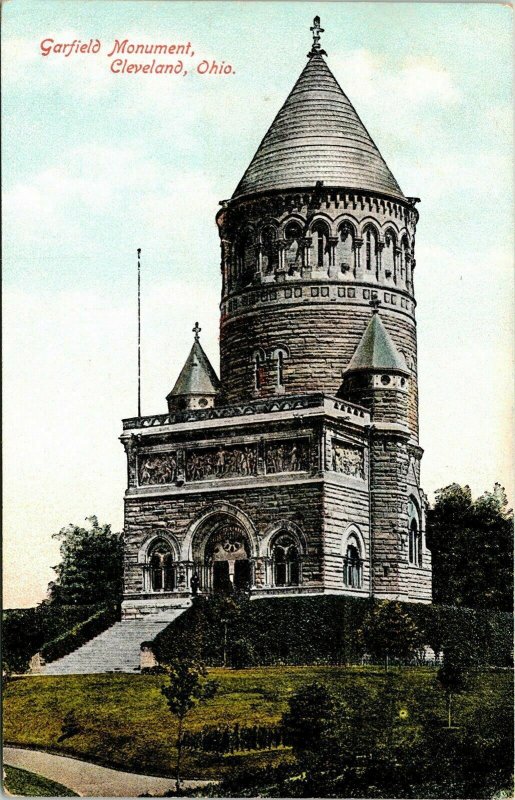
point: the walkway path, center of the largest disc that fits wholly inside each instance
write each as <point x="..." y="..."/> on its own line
<point x="89" y="780"/>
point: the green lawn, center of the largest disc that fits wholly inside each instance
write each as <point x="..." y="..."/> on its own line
<point x="21" y="782"/>
<point x="125" y="722"/>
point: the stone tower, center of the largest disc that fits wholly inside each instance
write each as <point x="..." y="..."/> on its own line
<point x="299" y="471"/>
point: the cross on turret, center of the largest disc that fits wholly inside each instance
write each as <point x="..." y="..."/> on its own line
<point x="316" y="30"/>
<point x="375" y="303"/>
<point x="196" y="330"/>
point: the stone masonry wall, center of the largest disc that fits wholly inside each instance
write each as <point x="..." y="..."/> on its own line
<point x="300" y="503"/>
<point x="320" y="340"/>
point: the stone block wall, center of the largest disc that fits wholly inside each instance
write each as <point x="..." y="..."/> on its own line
<point x="266" y="507"/>
<point x="320" y="339"/>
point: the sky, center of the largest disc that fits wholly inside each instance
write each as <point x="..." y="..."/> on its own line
<point x="97" y="164"/>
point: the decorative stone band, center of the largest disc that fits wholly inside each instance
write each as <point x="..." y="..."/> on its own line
<point x="271" y="405"/>
<point x="316" y="292"/>
<point x="278" y="203"/>
<point x="288" y="455"/>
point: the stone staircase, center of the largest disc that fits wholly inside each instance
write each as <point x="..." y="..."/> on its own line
<point x="116" y="649"/>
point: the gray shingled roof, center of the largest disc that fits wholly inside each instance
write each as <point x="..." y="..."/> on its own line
<point x="317" y="136"/>
<point x="197" y="375"/>
<point x="376" y="351"/>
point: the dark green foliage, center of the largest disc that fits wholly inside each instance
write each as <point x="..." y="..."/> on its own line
<point x="25" y="630"/>
<point x="313" y="727"/>
<point x="235" y="738"/>
<point x="389" y="632"/>
<point x="324" y="630"/>
<point x="186" y="688"/>
<point x="453" y="676"/>
<point x="91" y="568"/>
<point x="472" y="548"/>
<point x="80" y="633"/>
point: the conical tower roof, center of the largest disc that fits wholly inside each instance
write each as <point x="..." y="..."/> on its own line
<point x="197" y="376"/>
<point x="317" y="136"/>
<point x="376" y="351"/>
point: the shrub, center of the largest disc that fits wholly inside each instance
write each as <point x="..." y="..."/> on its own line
<point x="321" y="630"/>
<point x="80" y="633"/>
<point x="26" y="630"/>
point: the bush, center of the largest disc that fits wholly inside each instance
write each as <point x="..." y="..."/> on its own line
<point x="80" y="633"/>
<point x="26" y="630"/>
<point x="321" y="630"/>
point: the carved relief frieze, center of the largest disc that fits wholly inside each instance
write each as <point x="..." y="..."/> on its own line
<point x="157" y="468"/>
<point x="287" y="455"/>
<point x="348" y="460"/>
<point x="225" y="461"/>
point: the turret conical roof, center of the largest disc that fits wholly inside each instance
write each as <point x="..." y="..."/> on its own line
<point x="197" y="376"/>
<point x="376" y="350"/>
<point x="317" y="136"/>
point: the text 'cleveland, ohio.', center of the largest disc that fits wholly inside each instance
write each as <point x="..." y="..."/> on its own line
<point x="121" y="48"/>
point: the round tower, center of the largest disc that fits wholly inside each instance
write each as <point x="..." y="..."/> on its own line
<point x="316" y="229"/>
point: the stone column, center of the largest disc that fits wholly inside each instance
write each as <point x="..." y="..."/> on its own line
<point x="396" y="256"/>
<point x="333" y="269"/>
<point x="306" y="256"/>
<point x="379" y="258"/>
<point x="358" y="270"/>
<point x="280" y="273"/>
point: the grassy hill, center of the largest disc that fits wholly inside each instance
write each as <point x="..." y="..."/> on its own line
<point x="124" y="722"/>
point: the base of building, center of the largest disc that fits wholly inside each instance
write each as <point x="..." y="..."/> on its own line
<point x="162" y="606"/>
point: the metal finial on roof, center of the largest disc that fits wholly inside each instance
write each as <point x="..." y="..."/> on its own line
<point x="196" y="330"/>
<point x="316" y="30"/>
<point x="375" y="303"/>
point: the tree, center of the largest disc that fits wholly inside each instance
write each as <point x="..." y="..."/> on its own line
<point x="472" y="548"/>
<point x="185" y="689"/>
<point x="453" y="675"/>
<point x="389" y="632"/>
<point x="311" y="726"/>
<point x="91" y="568"/>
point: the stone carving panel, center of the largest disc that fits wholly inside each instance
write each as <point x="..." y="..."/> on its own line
<point x="287" y="455"/>
<point x="348" y="460"/>
<point x="157" y="468"/>
<point x="227" y="461"/>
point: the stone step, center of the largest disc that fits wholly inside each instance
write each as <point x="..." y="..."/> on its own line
<point x="116" y="649"/>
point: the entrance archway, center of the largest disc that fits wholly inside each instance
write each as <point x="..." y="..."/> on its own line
<point x="227" y="555"/>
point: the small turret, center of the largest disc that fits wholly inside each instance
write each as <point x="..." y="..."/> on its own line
<point x="377" y="375"/>
<point x="197" y="384"/>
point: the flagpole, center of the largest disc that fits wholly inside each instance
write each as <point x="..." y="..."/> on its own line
<point x="139" y="333"/>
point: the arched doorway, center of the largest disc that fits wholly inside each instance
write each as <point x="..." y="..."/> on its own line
<point x="221" y="549"/>
<point x="226" y="557"/>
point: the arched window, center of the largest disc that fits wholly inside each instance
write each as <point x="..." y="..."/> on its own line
<point x="414" y="535"/>
<point x="293" y="251"/>
<point x="415" y="544"/>
<point x="345" y="248"/>
<point x="162" y="569"/>
<point x="404" y="259"/>
<point x="371" y="249"/>
<point x="389" y="256"/>
<point x="285" y="561"/>
<point x="352" y="566"/>
<point x="246" y="256"/>
<point x="269" y="253"/>
<point x="258" y="360"/>
<point x="278" y="356"/>
<point x="321" y="244"/>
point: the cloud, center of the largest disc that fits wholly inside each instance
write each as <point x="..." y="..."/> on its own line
<point x="65" y="202"/>
<point x="451" y="173"/>
<point x="418" y="81"/>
